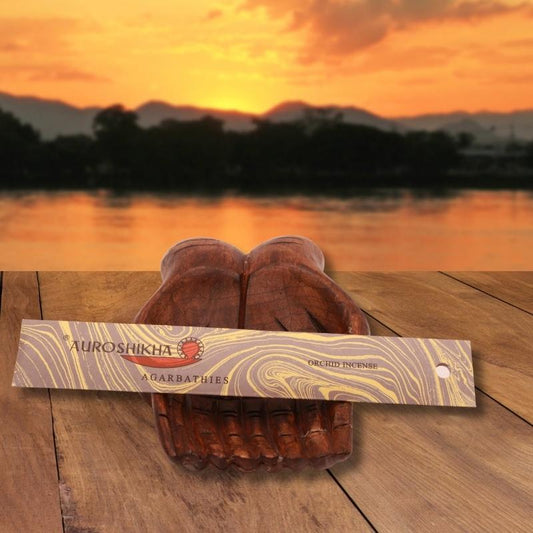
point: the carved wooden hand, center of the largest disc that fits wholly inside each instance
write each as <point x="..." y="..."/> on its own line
<point x="280" y="285"/>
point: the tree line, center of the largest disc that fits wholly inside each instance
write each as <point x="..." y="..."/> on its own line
<point x="316" y="154"/>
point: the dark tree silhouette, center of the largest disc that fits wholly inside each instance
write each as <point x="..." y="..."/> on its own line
<point x="529" y="154"/>
<point x="430" y="153"/>
<point x="20" y="151"/>
<point x="113" y="121"/>
<point x="319" y="153"/>
<point x="118" y="141"/>
<point x="183" y="155"/>
<point x="71" y="161"/>
<point x="464" y="140"/>
<point x="271" y="155"/>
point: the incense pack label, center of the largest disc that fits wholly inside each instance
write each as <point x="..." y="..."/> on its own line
<point x="237" y="362"/>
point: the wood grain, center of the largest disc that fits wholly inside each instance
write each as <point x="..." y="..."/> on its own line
<point x="428" y="469"/>
<point x="111" y="294"/>
<point x="28" y="473"/>
<point x="116" y="477"/>
<point x="515" y="288"/>
<point x="431" y="304"/>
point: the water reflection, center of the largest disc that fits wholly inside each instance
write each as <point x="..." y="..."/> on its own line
<point x="388" y="229"/>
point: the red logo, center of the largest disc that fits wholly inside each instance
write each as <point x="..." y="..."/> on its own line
<point x="189" y="351"/>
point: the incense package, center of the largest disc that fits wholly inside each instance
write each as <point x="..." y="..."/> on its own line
<point x="246" y="363"/>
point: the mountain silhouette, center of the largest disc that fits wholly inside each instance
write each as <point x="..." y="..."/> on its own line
<point x="153" y="112"/>
<point x="295" y="110"/>
<point x="50" y="117"/>
<point x="517" y="124"/>
<point x="470" y="126"/>
<point x="54" y="117"/>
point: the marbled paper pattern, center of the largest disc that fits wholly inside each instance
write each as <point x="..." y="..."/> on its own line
<point x="228" y="362"/>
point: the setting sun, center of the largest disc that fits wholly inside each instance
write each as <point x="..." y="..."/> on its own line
<point x="235" y="102"/>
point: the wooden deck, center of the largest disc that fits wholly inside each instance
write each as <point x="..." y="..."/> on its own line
<point x="91" y="461"/>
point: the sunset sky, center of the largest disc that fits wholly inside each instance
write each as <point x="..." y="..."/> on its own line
<point x="393" y="57"/>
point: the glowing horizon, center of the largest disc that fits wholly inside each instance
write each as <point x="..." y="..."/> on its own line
<point x="393" y="58"/>
<point x="264" y="111"/>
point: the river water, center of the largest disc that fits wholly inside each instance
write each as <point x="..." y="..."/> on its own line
<point x="389" y="229"/>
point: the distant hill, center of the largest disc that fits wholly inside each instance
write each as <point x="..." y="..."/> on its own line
<point x="152" y="113"/>
<point x="502" y="125"/>
<point x="52" y="118"/>
<point x="478" y="132"/>
<point x="295" y="110"/>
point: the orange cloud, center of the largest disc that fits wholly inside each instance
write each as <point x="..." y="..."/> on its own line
<point x="214" y="14"/>
<point x="61" y="73"/>
<point x="52" y="73"/>
<point x="24" y="34"/>
<point x="343" y="28"/>
<point x="519" y="43"/>
<point x="39" y="49"/>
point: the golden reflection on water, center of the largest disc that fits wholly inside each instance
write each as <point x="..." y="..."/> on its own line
<point x="473" y="230"/>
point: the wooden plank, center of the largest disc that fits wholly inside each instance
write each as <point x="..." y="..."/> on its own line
<point x="515" y="288"/>
<point x="98" y="295"/>
<point x="425" y="304"/>
<point x="115" y="475"/>
<point x="440" y="469"/>
<point x="28" y="472"/>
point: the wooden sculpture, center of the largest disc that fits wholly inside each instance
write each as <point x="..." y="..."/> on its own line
<point x="280" y="285"/>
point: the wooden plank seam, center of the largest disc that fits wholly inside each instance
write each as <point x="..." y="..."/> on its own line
<point x="477" y="388"/>
<point x="485" y="292"/>
<point x="56" y="451"/>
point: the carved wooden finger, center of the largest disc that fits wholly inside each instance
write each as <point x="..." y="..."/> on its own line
<point x="280" y="285"/>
